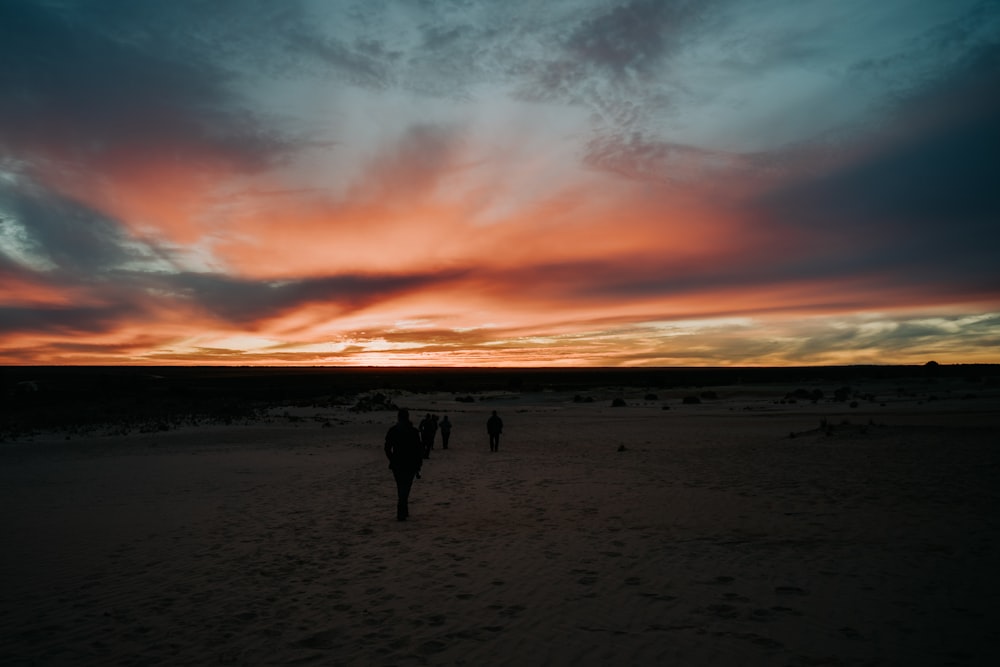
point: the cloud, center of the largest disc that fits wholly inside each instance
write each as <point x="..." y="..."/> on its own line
<point x="247" y="302"/>
<point x="83" y="82"/>
<point x="634" y="35"/>
<point x="614" y="59"/>
<point x="188" y="301"/>
<point x="366" y="64"/>
<point x="71" y="320"/>
<point x="917" y="337"/>
<point x="413" y="163"/>
<point x="53" y="244"/>
<point x="918" y="202"/>
<point x="46" y="231"/>
<point x="648" y="159"/>
<point x="514" y="177"/>
<point x="942" y="46"/>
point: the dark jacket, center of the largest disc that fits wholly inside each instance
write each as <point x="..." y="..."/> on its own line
<point x="403" y="448"/>
<point x="494" y="425"/>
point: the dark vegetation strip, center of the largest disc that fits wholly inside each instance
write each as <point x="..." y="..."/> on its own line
<point x="156" y="398"/>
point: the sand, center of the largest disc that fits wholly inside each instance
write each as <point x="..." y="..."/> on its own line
<point x="745" y="530"/>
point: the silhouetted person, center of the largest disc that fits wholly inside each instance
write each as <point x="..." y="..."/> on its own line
<point x="405" y="454"/>
<point x="494" y="426"/>
<point x="445" y="432"/>
<point x="427" y="429"/>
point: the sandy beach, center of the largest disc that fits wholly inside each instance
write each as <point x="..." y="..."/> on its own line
<point x="745" y="529"/>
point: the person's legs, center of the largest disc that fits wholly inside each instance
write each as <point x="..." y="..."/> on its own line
<point x="404" y="482"/>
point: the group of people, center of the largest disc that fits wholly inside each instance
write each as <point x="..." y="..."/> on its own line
<point x="428" y="429"/>
<point x="406" y="447"/>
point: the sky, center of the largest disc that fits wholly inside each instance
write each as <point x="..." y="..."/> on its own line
<point x="517" y="183"/>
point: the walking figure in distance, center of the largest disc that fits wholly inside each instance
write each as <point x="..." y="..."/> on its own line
<point x="445" y="432"/>
<point x="428" y="427"/>
<point x="406" y="456"/>
<point x="494" y="426"/>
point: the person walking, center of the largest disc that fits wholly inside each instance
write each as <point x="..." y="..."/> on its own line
<point x="494" y="426"/>
<point x="406" y="457"/>
<point x="426" y="431"/>
<point x="445" y="431"/>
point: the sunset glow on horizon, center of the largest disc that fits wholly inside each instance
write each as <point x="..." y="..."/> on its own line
<point x="576" y="183"/>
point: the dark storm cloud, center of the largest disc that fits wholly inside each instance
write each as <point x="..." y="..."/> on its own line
<point x="93" y="78"/>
